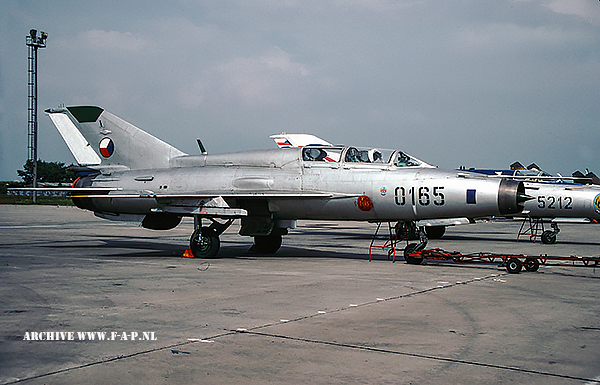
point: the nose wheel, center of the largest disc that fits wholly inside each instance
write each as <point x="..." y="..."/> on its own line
<point x="413" y="247"/>
<point x="205" y="242"/>
<point x="549" y="236"/>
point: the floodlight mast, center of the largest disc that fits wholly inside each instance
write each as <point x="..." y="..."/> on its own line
<point x="33" y="41"/>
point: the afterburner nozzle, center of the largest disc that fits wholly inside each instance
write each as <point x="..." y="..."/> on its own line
<point x="511" y="197"/>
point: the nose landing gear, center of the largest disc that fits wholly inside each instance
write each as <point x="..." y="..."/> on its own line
<point x="532" y="227"/>
<point x="204" y="241"/>
<point x="549" y="236"/>
<point x="414" y="247"/>
<point x="401" y="231"/>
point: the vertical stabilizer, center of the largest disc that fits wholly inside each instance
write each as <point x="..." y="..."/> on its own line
<point x="99" y="139"/>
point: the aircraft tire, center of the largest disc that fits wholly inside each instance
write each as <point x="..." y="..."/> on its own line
<point x="548" y="237"/>
<point x="411" y="260"/>
<point x="514" y="266"/>
<point x="204" y="245"/>
<point x="267" y="244"/>
<point x="435" y="232"/>
<point x="531" y="264"/>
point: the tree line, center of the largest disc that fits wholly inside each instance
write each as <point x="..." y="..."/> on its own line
<point x="47" y="172"/>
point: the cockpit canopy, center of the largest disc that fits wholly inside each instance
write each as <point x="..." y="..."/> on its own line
<point x="360" y="155"/>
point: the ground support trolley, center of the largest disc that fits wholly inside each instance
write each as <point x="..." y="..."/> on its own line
<point x="513" y="263"/>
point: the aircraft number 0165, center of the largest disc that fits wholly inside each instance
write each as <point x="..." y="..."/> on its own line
<point x="422" y="195"/>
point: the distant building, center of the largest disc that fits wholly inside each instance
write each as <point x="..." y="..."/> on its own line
<point x="517" y="166"/>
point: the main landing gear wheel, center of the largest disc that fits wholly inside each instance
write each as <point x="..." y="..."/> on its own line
<point x="267" y="244"/>
<point x="548" y="237"/>
<point x="412" y="260"/>
<point x="204" y="244"/>
<point x="514" y="266"/>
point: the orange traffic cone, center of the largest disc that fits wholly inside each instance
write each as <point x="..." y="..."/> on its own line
<point x="188" y="254"/>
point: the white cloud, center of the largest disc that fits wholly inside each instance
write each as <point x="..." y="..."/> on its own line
<point x="280" y="61"/>
<point x="589" y="10"/>
<point x="266" y="80"/>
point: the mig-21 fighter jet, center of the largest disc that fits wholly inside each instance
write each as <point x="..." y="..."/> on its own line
<point x="132" y="175"/>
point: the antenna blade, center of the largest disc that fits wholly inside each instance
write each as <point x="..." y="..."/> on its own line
<point x="201" y="146"/>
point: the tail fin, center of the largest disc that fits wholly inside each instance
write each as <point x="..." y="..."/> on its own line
<point x="99" y="139"/>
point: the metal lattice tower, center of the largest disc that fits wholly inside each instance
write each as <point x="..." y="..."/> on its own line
<point x="34" y="42"/>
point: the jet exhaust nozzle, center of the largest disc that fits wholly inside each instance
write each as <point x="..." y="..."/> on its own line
<point x="511" y="197"/>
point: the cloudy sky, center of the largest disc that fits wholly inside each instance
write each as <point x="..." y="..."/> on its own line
<point x="453" y="82"/>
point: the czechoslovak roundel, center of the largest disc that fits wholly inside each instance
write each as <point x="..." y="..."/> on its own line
<point x="107" y="147"/>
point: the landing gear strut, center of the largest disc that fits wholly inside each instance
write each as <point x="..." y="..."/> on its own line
<point x="204" y="241"/>
<point x="413" y="247"/>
